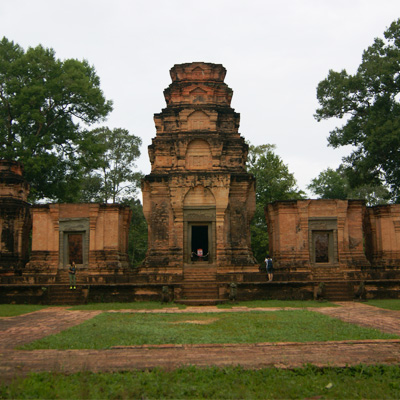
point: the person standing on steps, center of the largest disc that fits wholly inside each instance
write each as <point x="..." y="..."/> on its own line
<point x="270" y="268"/>
<point x="72" y="275"/>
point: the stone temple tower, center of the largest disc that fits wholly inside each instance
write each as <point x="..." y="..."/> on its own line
<point x="198" y="199"/>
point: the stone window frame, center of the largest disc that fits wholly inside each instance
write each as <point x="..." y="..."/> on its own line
<point x="73" y="225"/>
<point x="327" y="225"/>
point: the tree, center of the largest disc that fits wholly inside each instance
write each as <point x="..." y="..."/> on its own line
<point x="369" y="101"/>
<point x="108" y="158"/>
<point x="334" y="184"/>
<point x="273" y="182"/>
<point x="330" y="184"/>
<point x="137" y="234"/>
<point x="42" y="101"/>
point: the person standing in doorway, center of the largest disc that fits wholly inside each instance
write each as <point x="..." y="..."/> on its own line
<point x="72" y="275"/>
<point x="270" y="268"/>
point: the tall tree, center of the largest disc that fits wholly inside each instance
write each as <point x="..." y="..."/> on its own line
<point x="369" y="103"/>
<point x="273" y="182"/>
<point x="334" y="184"/>
<point x="42" y="101"/>
<point x="108" y="157"/>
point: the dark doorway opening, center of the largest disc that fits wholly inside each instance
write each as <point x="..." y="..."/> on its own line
<point x="200" y="251"/>
<point x="75" y="248"/>
<point x="321" y="246"/>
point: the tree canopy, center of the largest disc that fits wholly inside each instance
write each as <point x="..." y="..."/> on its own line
<point x="334" y="184"/>
<point x="273" y="182"/>
<point x="42" y="101"/>
<point x="108" y="159"/>
<point x="369" y="103"/>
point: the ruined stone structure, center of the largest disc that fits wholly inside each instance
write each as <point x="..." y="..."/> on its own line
<point x="15" y="219"/>
<point x="198" y="199"/>
<point x="95" y="236"/>
<point x="344" y="234"/>
<point x="383" y="235"/>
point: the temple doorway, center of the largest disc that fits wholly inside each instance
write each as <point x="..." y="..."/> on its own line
<point x="75" y="248"/>
<point x="199" y="243"/>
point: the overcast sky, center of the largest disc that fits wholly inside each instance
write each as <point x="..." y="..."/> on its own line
<point x="275" y="53"/>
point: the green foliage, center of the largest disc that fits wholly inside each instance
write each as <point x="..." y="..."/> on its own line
<point x="369" y="101"/>
<point x="108" y="161"/>
<point x="334" y="184"/>
<point x="330" y="184"/>
<point x="189" y="382"/>
<point x="137" y="234"/>
<point x="273" y="182"/>
<point x="42" y="100"/>
<point x="121" y="329"/>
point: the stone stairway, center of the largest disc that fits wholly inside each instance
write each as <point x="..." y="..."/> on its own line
<point x="62" y="295"/>
<point x="338" y="291"/>
<point x="336" y="287"/>
<point x="199" y="286"/>
<point x="324" y="274"/>
<point x="63" y="277"/>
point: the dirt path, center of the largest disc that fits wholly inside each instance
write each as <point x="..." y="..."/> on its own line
<point x="23" y="329"/>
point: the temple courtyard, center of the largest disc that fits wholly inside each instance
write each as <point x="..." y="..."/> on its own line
<point x="20" y="330"/>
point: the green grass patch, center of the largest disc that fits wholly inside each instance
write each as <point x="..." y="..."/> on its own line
<point x="118" y="329"/>
<point x="137" y="305"/>
<point x="11" y="310"/>
<point x="361" y="382"/>
<point x="278" y="304"/>
<point x="389" y="304"/>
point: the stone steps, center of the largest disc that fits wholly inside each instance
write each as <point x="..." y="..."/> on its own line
<point x="63" y="278"/>
<point x="199" y="286"/>
<point x="200" y="291"/>
<point x="322" y="275"/>
<point x="200" y="273"/>
<point x="338" y="291"/>
<point x="63" y="295"/>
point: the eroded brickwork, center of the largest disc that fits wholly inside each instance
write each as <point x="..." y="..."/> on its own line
<point x="15" y="219"/>
<point x="95" y="236"/>
<point x="333" y="233"/>
<point x="198" y="177"/>
<point x="317" y="233"/>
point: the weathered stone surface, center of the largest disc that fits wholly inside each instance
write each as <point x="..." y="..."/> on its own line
<point x="95" y="236"/>
<point x="198" y="194"/>
<point x="15" y="219"/>
<point x="317" y="233"/>
<point x="383" y="235"/>
<point x="341" y="234"/>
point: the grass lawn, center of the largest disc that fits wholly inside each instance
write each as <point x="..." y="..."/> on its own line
<point x="278" y="303"/>
<point x="362" y="382"/>
<point x="118" y="329"/>
<point x="11" y="310"/>
<point x="153" y="305"/>
<point x="137" y="305"/>
<point x="389" y="304"/>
